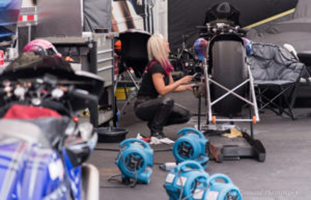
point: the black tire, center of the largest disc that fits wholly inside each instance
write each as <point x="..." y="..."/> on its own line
<point x="228" y="69"/>
<point x="262" y="157"/>
<point x="220" y="158"/>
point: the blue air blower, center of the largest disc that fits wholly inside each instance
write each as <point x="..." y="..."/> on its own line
<point x="135" y="160"/>
<point x="223" y="190"/>
<point x="191" y="146"/>
<point x="188" y="180"/>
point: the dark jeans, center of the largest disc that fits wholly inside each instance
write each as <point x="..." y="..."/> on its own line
<point x="160" y="112"/>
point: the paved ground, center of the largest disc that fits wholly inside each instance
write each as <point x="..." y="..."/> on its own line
<point x="285" y="174"/>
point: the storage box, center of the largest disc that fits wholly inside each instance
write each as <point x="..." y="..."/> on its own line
<point x="120" y="93"/>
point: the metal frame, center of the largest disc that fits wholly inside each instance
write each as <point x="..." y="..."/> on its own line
<point x="131" y="94"/>
<point x="223" y="149"/>
<point x="289" y="101"/>
<point x="210" y="103"/>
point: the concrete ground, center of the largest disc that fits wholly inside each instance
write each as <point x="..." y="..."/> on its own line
<point x="285" y="174"/>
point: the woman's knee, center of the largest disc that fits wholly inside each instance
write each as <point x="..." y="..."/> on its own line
<point x="184" y="116"/>
<point x="179" y="115"/>
<point x="187" y="115"/>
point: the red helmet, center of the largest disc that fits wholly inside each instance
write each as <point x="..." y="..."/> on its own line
<point x="42" y="47"/>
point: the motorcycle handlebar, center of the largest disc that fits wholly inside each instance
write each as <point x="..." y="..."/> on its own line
<point x="84" y="95"/>
<point x="212" y="29"/>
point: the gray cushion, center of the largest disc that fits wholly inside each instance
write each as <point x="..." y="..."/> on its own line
<point x="270" y="62"/>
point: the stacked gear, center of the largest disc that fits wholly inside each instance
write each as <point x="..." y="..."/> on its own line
<point x="42" y="47"/>
<point x="135" y="160"/>
<point x="191" y="146"/>
<point x="188" y="180"/>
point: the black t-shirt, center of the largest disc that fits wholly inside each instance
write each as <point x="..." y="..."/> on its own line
<point x="147" y="88"/>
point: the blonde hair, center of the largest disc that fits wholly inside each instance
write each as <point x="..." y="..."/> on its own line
<point x="156" y="47"/>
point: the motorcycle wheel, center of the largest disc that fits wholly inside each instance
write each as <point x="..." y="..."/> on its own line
<point x="229" y="70"/>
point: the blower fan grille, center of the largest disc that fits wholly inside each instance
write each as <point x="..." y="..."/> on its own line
<point x="191" y="146"/>
<point x="134" y="162"/>
<point x="185" y="150"/>
<point x="233" y="195"/>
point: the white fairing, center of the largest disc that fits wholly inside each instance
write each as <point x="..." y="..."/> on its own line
<point x="90" y="182"/>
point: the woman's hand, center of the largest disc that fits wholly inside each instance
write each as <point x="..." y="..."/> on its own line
<point x="184" y="87"/>
<point x="186" y="79"/>
<point x="184" y="84"/>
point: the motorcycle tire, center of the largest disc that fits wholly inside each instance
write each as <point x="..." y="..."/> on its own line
<point x="228" y="69"/>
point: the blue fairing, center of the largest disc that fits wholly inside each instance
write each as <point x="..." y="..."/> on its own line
<point x="74" y="176"/>
<point x="11" y="172"/>
<point x="29" y="172"/>
<point x="4" y="3"/>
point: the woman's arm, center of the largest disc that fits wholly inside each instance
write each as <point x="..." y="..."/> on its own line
<point x="162" y="89"/>
<point x="184" y="88"/>
<point x="181" y="88"/>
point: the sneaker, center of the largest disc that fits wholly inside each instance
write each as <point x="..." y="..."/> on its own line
<point x="160" y="138"/>
<point x="159" y="135"/>
<point x="142" y="137"/>
<point x="167" y="141"/>
<point x="156" y="141"/>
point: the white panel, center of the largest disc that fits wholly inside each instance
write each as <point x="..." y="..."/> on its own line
<point x="160" y="17"/>
<point x="27" y="3"/>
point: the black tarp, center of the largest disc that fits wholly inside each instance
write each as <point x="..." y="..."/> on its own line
<point x="185" y="15"/>
<point x="97" y="14"/>
<point x="295" y="31"/>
